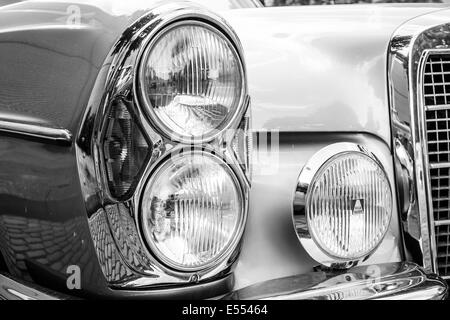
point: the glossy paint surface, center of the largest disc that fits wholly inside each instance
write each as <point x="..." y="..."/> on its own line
<point x="320" y="68"/>
<point x="48" y="65"/>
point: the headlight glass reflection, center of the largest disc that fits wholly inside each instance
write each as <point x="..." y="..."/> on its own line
<point x="192" y="210"/>
<point x="349" y="206"/>
<point x="192" y="81"/>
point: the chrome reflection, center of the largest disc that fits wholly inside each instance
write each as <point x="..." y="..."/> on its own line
<point x="400" y="281"/>
<point x="408" y="46"/>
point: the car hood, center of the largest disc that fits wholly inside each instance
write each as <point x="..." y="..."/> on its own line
<point x="317" y="68"/>
<point x="321" y="68"/>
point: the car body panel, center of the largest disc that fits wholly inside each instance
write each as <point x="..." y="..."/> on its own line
<point x="49" y="66"/>
<point x="320" y="68"/>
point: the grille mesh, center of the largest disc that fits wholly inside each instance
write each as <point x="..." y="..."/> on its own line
<point x="436" y="90"/>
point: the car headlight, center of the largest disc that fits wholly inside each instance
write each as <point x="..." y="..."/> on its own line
<point x="191" y="82"/>
<point x="192" y="211"/>
<point x="165" y="176"/>
<point x="343" y="205"/>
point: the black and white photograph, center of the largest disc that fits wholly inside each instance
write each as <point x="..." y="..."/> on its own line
<point x="223" y="155"/>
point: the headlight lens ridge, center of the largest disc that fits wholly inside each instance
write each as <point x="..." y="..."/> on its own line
<point x="349" y="205"/>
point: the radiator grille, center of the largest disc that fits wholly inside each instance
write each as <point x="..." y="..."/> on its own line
<point x="436" y="90"/>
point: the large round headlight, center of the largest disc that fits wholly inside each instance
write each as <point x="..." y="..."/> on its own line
<point x="192" y="211"/>
<point x="343" y="204"/>
<point x="191" y="81"/>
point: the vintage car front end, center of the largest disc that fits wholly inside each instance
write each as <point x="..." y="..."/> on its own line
<point x="173" y="152"/>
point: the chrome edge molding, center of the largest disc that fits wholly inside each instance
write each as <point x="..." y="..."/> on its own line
<point x="395" y="281"/>
<point x="54" y="135"/>
<point x="115" y="228"/>
<point x="299" y="214"/>
<point x="409" y="46"/>
<point x="10" y="289"/>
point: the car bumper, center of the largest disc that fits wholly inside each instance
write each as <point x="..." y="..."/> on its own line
<point x="399" y="281"/>
<point x="396" y="281"/>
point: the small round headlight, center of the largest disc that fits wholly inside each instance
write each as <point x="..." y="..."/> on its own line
<point x="191" y="81"/>
<point x="343" y="205"/>
<point x="192" y="211"/>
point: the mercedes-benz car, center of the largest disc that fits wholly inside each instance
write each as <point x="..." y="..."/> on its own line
<point x="224" y="150"/>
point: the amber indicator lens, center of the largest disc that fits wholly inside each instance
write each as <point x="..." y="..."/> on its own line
<point x="192" y="211"/>
<point x="192" y="82"/>
<point x="349" y="206"/>
<point x="125" y="150"/>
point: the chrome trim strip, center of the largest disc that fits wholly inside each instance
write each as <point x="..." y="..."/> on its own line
<point x="396" y="281"/>
<point x="55" y="135"/>
<point x="440" y="165"/>
<point x="442" y="223"/>
<point x="422" y="140"/>
<point x="436" y="107"/>
<point x="299" y="205"/>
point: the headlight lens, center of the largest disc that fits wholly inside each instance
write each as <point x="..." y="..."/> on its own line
<point x="192" y="211"/>
<point x="125" y="149"/>
<point x="349" y="205"/>
<point x="191" y="81"/>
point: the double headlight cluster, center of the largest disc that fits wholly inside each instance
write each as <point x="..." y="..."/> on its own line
<point x="167" y="154"/>
<point x="190" y="85"/>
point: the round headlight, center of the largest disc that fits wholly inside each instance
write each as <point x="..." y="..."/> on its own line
<point x="192" y="211"/>
<point x="343" y="205"/>
<point x="191" y="81"/>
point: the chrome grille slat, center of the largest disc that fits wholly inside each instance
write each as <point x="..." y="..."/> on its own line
<point x="442" y="223"/>
<point x="442" y="165"/>
<point x="436" y="96"/>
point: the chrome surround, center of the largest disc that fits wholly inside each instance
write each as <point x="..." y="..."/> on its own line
<point x="36" y="131"/>
<point x="410" y="46"/>
<point x="114" y="222"/>
<point x="240" y="184"/>
<point x="299" y="214"/>
<point x="392" y="281"/>
<point x="143" y="99"/>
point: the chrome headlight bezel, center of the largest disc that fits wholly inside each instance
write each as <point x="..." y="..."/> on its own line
<point x="239" y="182"/>
<point x="224" y="32"/>
<point x="113" y="221"/>
<point x="300" y="204"/>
